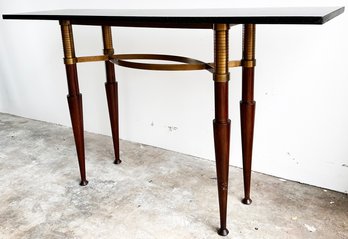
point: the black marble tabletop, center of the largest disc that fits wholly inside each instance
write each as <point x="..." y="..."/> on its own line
<point x="298" y="15"/>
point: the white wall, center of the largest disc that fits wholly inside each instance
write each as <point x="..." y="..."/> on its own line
<point x="301" y="130"/>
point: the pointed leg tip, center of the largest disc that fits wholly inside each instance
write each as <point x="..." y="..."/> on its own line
<point x="223" y="232"/>
<point x="83" y="183"/>
<point x="246" y="201"/>
<point x="117" y="161"/>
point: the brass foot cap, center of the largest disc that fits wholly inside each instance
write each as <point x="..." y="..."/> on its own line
<point x="223" y="232"/>
<point x="83" y="183"/>
<point x="246" y="201"/>
<point x="117" y="161"/>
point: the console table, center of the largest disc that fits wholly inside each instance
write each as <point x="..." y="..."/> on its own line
<point x="219" y="21"/>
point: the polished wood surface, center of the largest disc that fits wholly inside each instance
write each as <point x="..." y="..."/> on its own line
<point x="76" y="115"/>
<point x="111" y="88"/>
<point x="221" y="122"/>
<point x="247" y="107"/>
<point x="74" y="98"/>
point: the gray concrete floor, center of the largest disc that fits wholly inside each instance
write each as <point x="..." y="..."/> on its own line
<point x="154" y="193"/>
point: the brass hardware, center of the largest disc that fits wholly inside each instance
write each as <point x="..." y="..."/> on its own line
<point x="234" y="63"/>
<point x="107" y="41"/>
<point x="249" y="45"/>
<point x="92" y="58"/>
<point x="108" y="52"/>
<point x="64" y="23"/>
<point x="191" y="64"/>
<point x="221" y="62"/>
<point x="231" y="64"/>
<point x="68" y="42"/>
<point x="221" y="77"/>
<point x="120" y="60"/>
<point x="221" y="27"/>
<point x="70" y="61"/>
<point x="248" y="63"/>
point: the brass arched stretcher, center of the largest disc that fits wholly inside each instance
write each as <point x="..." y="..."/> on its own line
<point x="186" y="64"/>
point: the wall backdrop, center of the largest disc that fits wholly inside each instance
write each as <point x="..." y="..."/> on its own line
<point x="301" y="85"/>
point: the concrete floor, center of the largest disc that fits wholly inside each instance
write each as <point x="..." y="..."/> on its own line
<point x="154" y="193"/>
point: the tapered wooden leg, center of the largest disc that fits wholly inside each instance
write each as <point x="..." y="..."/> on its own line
<point x="221" y="122"/>
<point x="76" y="115"/>
<point x="111" y="91"/>
<point x="247" y="106"/>
<point x="74" y="97"/>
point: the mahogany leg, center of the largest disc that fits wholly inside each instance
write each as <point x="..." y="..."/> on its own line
<point x="247" y="106"/>
<point x="221" y="122"/>
<point x="74" y="97"/>
<point x="111" y="91"/>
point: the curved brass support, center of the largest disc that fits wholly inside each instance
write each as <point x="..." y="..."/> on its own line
<point x="208" y="66"/>
<point x="191" y="64"/>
